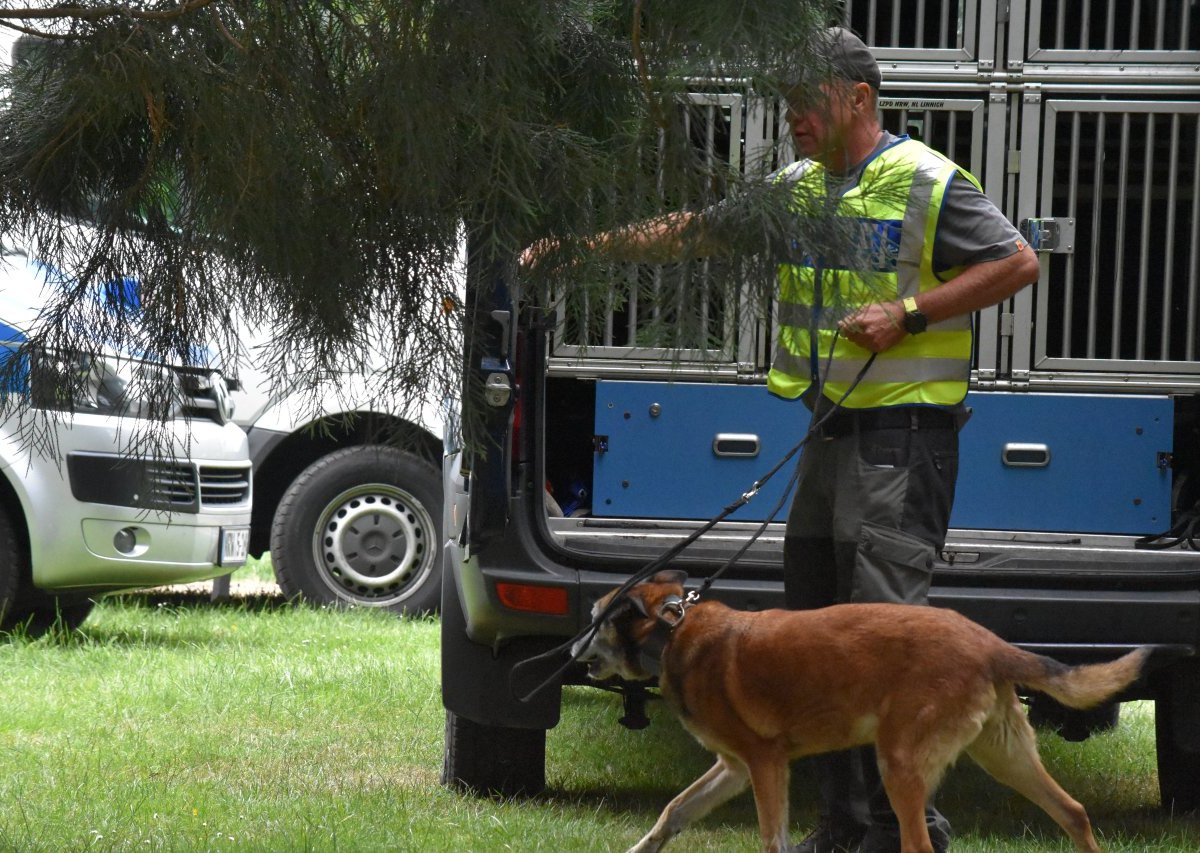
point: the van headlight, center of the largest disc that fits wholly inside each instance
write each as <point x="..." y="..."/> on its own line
<point x="103" y="384"/>
<point x="93" y="384"/>
<point x="204" y="394"/>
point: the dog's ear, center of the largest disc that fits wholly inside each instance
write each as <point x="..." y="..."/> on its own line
<point x="674" y="577"/>
<point x="637" y="603"/>
<point x="629" y="601"/>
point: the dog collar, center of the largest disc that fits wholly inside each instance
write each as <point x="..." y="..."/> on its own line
<point x="670" y="615"/>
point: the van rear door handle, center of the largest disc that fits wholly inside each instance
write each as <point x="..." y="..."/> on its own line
<point x="736" y="444"/>
<point x="1019" y="455"/>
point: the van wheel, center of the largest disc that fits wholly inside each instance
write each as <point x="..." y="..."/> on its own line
<point x="23" y="609"/>
<point x="362" y="526"/>
<point x="49" y="614"/>
<point x="1177" y="738"/>
<point x="14" y="568"/>
<point x="493" y="760"/>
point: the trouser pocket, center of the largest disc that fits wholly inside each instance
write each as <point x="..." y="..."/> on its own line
<point x="891" y="566"/>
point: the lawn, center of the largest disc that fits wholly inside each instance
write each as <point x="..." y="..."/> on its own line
<point x="172" y="723"/>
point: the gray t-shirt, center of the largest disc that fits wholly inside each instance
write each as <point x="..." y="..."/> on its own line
<point x="971" y="229"/>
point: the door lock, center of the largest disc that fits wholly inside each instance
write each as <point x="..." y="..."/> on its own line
<point x="497" y="390"/>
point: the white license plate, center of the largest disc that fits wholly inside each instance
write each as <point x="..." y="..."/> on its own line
<point x="235" y="542"/>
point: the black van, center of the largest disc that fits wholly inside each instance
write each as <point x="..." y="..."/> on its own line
<point x="590" y="450"/>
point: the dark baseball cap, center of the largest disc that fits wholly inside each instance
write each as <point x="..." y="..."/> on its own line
<point x="848" y="57"/>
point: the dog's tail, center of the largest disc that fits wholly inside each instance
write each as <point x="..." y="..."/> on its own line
<point x="1079" y="687"/>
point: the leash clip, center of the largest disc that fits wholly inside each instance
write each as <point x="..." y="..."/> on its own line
<point x="669" y="617"/>
<point x="672" y="610"/>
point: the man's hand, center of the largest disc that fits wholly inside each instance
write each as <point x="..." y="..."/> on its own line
<point x="876" y="327"/>
<point x="533" y="253"/>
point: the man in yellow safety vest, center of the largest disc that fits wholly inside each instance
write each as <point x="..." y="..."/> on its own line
<point x="927" y="250"/>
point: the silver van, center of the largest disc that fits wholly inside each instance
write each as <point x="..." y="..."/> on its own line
<point x="85" y="506"/>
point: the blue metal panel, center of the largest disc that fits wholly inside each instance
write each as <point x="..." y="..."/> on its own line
<point x="664" y="466"/>
<point x="1101" y="475"/>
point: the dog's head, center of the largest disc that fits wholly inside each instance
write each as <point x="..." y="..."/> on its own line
<point x="614" y="649"/>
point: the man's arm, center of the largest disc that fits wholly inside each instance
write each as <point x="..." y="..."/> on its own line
<point x="661" y="240"/>
<point x="880" y="326"/>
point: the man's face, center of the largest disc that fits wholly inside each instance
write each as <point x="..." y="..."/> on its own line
<point x="821" y="119"/>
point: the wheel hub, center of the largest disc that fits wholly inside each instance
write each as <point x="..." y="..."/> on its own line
<point x="374" y="542"/>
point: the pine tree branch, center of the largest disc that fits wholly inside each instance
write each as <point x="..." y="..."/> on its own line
<point x="79" y="12"/>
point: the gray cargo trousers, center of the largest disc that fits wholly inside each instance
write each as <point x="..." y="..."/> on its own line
<point x="871" y="510"/>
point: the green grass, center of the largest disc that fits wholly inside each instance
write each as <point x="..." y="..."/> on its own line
<point x="170" y="723"/>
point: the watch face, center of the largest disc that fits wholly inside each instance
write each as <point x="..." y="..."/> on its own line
<point x="915" y="322"/>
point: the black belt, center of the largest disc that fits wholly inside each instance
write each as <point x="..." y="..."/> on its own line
<point x="847" y="421"/>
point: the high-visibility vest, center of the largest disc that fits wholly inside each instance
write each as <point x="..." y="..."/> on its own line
<point x="893" y="213"/>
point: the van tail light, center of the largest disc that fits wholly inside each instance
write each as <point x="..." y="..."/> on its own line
<point x="531" y="598"/>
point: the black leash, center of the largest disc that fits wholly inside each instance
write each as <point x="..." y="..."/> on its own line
<point x="657" y="563"/>
<point x="1185" y="530"/>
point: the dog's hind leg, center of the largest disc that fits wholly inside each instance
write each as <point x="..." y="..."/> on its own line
<point x="1007" y="749"/>
<point x="727" y="778"/>
<point x="906" y="791"/>
<point x="912" y="759"/>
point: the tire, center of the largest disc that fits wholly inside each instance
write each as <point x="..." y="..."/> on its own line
<point x="493" y="761"/>
<point x="362" y="527"/>
<point x="14" y="568"/>
<point x="1072" y="724"/>
<point x="1177" y="739"/>
<point x="25" y="610"/>
<point x="50" y="614"/>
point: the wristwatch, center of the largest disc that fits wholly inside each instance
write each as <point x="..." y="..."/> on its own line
<point x="914" y="321"/>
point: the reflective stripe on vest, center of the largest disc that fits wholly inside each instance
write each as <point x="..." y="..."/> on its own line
<point x="894" y="209"/>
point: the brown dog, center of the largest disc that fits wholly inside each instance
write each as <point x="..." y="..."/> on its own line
<point x="921" y="683"/>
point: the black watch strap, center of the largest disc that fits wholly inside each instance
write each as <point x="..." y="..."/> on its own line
<point x="914" y="321"/>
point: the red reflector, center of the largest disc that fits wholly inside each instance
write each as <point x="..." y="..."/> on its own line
<point x="533" y="599"/>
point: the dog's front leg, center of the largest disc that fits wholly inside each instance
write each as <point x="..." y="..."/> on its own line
<point x="769" y="775"/>
<point x="726" y="778"/>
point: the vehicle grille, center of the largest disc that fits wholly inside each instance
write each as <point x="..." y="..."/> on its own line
<point x="224" y="486"/>
<point x="179" y="486"/>
<point x="150" y="484"/>
<point x="174" y="486"/>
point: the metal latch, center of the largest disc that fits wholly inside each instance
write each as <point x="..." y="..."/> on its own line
<point x="497" y="390"/>
<point x="1053" y="236"/>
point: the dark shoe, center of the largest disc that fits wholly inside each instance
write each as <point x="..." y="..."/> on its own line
<point x="831" y="837"/>
<point x="879" y="839"/>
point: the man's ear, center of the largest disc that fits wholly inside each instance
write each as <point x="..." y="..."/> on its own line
<point x="864" y="97"/>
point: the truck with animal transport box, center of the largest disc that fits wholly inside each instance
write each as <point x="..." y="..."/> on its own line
<point x="1082" y="120"/>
